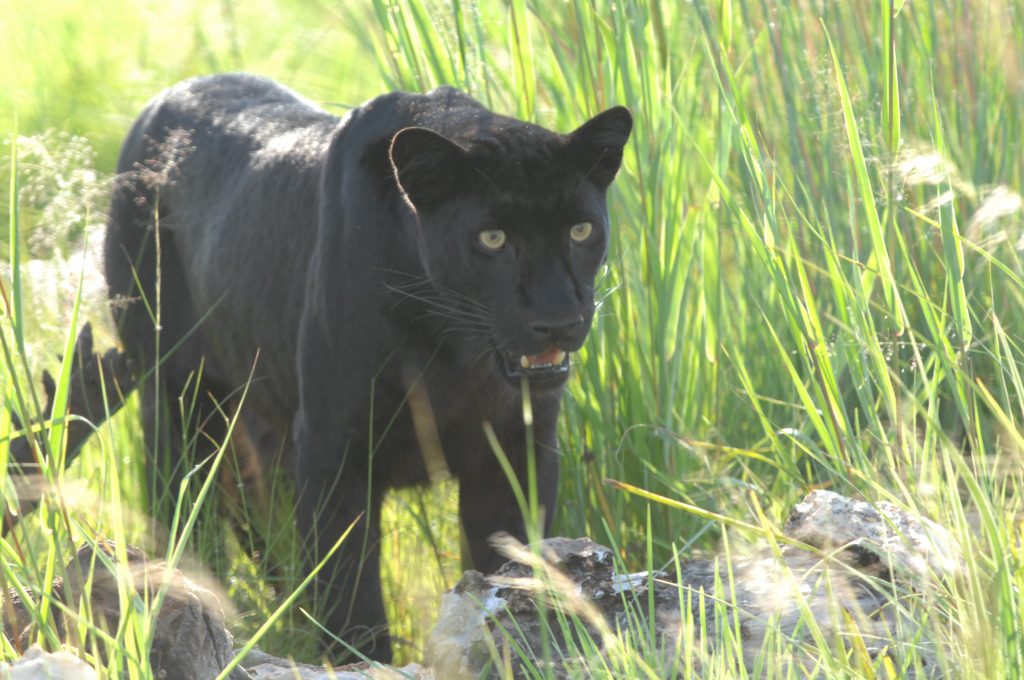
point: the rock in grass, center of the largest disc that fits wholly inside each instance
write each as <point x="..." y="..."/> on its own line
<point x="568" y="598"/>
<point x="263" y="666"/>
<point x="881" y="534"/>
<point x="40" y="665"/>
<point x="190" y="640"/>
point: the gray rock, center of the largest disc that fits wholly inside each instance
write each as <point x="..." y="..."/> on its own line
<point x="842" y="586"/>
<point x="190" y="642"/>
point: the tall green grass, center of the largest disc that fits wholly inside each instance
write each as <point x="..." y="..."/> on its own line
<point x="816" y="276"/>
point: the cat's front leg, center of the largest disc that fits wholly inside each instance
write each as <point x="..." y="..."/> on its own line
<point x="488" y="503"/>
<point x="335" y="496"/>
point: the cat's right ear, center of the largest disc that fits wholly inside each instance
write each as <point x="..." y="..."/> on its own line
<point x="429" y="168"/>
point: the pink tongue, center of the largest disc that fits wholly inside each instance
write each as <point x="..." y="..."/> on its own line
<point x="545" y="358"/>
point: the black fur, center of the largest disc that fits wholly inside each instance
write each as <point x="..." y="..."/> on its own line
<point x="345" y="255"/>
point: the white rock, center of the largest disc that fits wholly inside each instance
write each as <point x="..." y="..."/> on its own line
<point x="881" y="532"/>
<point x="40" y="665"/>
<point x="282" y="669"/>
<point x="462" y="626"/>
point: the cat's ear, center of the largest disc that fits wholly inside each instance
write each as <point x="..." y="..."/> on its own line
<point x="596" y="146"/>
<point x="428" y="167"/>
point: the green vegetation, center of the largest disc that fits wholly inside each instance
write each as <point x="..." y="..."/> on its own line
<point x="817" y="275"/>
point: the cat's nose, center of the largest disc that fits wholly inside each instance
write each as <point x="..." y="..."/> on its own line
<point x="558" y="327"/>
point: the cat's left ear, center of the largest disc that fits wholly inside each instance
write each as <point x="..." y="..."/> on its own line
<point x="428" y="167"/>
<point x="596" y="146"/>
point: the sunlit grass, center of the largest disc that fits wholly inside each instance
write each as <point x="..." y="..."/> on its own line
<point x="816" y="278"/>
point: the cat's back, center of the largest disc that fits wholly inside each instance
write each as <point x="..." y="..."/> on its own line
<point x="224" y="111"/>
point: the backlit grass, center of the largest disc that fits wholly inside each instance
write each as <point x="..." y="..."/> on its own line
<point x="816" y="276"/>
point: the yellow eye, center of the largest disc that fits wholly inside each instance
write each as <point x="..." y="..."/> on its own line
<point x="492" y="239"/>
<point x="581" y="232"/>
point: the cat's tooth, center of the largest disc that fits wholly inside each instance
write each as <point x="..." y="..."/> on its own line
<point x="559" y="358"/>
<point x="524" y="362"/>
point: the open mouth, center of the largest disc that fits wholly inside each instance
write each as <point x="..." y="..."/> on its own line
<point x="554" y="361"/>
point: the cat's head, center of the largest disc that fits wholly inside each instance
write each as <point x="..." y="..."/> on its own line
<point x="513" y="227"/>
